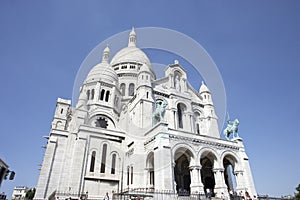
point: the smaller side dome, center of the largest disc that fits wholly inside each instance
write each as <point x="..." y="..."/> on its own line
<point x="103" y="71"/>
<point x="144" y="68"/>
<point x="203" y="88"/>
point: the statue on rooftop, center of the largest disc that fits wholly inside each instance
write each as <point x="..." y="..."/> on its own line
<point x="159" y="112"/>
<point x="232" y="128"/>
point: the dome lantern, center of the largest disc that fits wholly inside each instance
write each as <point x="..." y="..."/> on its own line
<point x="132" y="38"/>
<point x="105" y="55"/>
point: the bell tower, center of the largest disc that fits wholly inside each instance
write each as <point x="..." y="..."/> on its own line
<point x="210" y="116"/>
<point x="60" y="118"/>
<point x="145" y="97"/>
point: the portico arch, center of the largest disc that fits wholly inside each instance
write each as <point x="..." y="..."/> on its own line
<point x="183" y="158"/>
<point x="208" y="162"/>
<point x="150" y="170"/>
<point x="230" y="164"/>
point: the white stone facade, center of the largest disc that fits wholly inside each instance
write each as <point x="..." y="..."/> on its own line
<point x="3" y="170"/>
<point x="131" y="131"/>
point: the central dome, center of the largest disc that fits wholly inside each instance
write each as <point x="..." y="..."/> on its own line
<point x="131" y="54"/>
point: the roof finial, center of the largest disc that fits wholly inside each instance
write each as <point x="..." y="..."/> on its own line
<point x="132" y="38"/>
<point x="105" y="55"/>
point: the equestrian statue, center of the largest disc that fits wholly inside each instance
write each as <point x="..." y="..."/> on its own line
<point x="159" y="112"/>
<point x="232" y="128"/>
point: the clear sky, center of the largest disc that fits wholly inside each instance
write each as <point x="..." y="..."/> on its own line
<point x="255" y="44"/>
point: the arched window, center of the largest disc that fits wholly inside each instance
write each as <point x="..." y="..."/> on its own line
<point x="61" y="111"/>
<point x="131" y="89"/>
<point x="150" y="167"/>
<point x="122" y="88"/>
<point x="58" y="124"/>
<point x="179" y="115"/>
<point x="198" y="128"/>
<point x="102" y="94"/>
<point x="88" y="94"/>
<point x="113" y="164"/>
<point x="128" y="175"/>
<point x="197" y="121"/>
<point x="93" y="94"/>
<point x="131" y="174"/>
<point x="103" y="160"/>
<point x="107" y="96"/>
<point x="93" y="157"/>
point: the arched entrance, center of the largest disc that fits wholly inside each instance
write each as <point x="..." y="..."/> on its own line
<point x="207" y="162"/>
<point x="182" y="172"/>
<point x="150" y="170"/>
<point x="229" y="163"/>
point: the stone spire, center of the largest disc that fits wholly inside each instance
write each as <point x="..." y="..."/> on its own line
<point x="132" y="38"/>
<point x="105" y="55"/>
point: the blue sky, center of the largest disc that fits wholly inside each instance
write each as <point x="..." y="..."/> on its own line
<point x="255" y="44"/>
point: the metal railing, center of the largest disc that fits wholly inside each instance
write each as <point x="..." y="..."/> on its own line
<point x="149" y="194"/>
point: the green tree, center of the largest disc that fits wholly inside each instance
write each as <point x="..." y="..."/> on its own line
<point x="30" y="194"/>
<point x="297" y="194"/>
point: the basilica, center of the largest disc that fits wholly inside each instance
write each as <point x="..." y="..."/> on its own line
<point x="131" y="133"/>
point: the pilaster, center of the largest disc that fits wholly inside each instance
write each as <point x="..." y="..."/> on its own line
<point x="196" y="183"/>
<point x="220" y="186"/>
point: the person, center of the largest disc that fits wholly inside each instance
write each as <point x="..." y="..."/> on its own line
<point x="222" y="196"/>
<point x="138" y="198"/>
<point x="106" y="197"/>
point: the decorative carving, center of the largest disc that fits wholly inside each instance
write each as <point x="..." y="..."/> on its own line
<point x="203" y="142"/>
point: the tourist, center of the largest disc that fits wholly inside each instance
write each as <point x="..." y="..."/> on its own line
<point x="106" y="197"/>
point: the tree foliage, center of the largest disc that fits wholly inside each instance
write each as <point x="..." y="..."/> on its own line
<point x="297" y="194"/>
<point x="30" y="194"/>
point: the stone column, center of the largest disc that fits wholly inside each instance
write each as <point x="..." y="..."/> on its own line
<point x="175" y="120"/>
<point x="97" y="92"/>
<point x="185" y="121"/>
<point x="171" y="81"/>
<point x="146" y="174"/>
<point x="173" y="177"/>
<point x="220" y="186"/>
<point x="240" y="183"/>
<point x="196" y="183"/>
<point x="191" y="122"/>
<point x="184" y="87"/>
